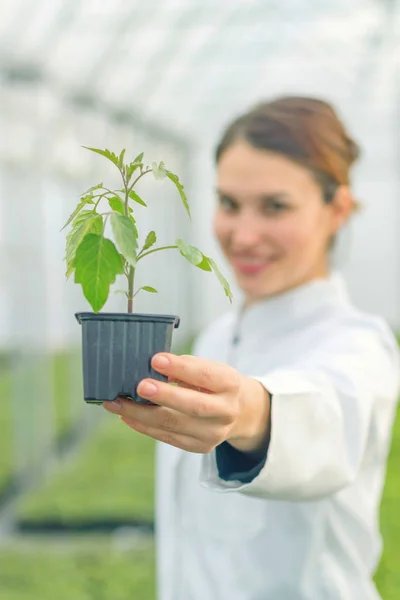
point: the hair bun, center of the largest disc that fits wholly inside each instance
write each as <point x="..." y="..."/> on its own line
<point x="354" y="151"/>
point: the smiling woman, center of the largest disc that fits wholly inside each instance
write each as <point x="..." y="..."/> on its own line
<point x="288" y="402"/>
<point x="283" y="189"/>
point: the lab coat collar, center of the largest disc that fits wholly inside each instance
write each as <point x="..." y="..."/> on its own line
<point x="283" y="310"/>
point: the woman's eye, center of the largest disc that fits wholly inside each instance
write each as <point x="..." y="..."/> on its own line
<point x="275" y="207"/>
<point x="227" y="203"/>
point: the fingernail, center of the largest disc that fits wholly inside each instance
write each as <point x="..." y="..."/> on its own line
<point x="115" y="406"/>
<point x="160" y="361"/>
<point x="147" y="389"/>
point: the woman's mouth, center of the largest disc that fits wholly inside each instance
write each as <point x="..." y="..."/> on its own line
<point x="250" y="265"/>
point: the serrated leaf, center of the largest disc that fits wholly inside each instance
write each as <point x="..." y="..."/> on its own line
<point x="97" y="263"/>
<point x="125" y="236"/>
<point x="191" y="253"/>
<point x="69" y="271"/>
<point x="117" y="205"/>
<point x="85" y="223"/>
<point x="93" y="189"/>
<point x="132" y="220"/>
<point x="221" y="279"/>
<point x="79" y="219"/>
<point x="150" y="241"/>
<point x="159" y="171"/>
<point x="84" y="201"/>
<point x="175" y="179"/>
<point x="133" y="195"/>
<point x="106" y="153"/>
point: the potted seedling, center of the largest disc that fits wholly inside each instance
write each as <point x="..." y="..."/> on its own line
<point x="117" y="347"/>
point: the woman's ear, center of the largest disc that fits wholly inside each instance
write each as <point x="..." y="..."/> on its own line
<point x="342" y="206"/>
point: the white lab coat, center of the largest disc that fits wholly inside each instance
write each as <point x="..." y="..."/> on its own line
<point x="306" y="527"/>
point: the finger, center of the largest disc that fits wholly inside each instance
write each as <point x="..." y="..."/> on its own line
<point x="163" y="419"/>
<point x="180" y="383"/>
<point x="177" y="440"/>
<point x="184" y="400"/>
<point x="159" y="417"/>
<point x="197" y="372"/>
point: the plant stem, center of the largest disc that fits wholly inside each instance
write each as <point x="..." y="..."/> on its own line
<point x="98" y="201"/>
<point x="131" y="279"/>
<point x="139" y="256"/>
<point x="131" y="272"/>
<point x="137" y="178"/>
<point x="107" y="192"/>
<point x="126" y="198"/>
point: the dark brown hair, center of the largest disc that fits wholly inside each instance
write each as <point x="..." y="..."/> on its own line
<point x="306" y="130"/>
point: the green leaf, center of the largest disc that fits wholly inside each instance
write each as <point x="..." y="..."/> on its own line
<point x="204" y="265"/>
<point x="86" y="222"/>
<point x="125" y="236"/>
<point x="221" y="278"/>
<point x="132" y="220"/>
<point x="146" y="288"/>
<point x="139" y="158"/>
<point x="134" y="165"/>
<point x="159" y="171"/>
<point x="133" y="195"/>
<point x="130" y="169"/>
<point x="150" y="241"/>
<point x="79" y="219"/>
<point x="117" y="205"/>
<point x="121" y="292"/>
<point x="191" y="253"/>
<point x="106" y="153"/>
<point x="84" y="201"/>
<point x="180" y="188"/>
<point x="69" y="271"/>
<point x="121" y="158"/>
<point x="93" y="189"/>
<point x="198" y="259"/>
<point x="97" y="263"/>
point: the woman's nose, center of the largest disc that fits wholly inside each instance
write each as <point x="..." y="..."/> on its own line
<point x="246" y="233"/>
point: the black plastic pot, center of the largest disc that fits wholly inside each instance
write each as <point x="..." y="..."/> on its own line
<point x="117" y="349"/>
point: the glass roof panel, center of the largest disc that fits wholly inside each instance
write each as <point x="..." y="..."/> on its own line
<point x="191" y="64"/>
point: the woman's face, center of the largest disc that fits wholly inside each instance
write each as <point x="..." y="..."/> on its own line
<point x="271" y="222"/>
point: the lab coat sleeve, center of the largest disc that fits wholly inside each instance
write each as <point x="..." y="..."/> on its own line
<point x="320" y="418"/>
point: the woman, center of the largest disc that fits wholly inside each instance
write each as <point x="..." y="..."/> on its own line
<point x="275" y="442"/>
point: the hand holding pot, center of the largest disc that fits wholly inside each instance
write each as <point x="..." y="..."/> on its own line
<point x="211" y="403"/>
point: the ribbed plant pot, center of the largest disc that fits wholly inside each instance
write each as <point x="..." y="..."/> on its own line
<point x="117" y="349"/>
